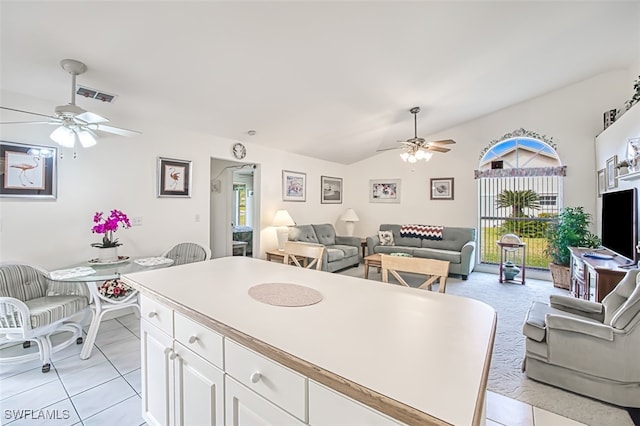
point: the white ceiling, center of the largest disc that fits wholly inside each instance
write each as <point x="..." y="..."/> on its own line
<point x="332" y="80"/>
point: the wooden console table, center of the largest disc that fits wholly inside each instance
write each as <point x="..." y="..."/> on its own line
<point x="592" y="278"/>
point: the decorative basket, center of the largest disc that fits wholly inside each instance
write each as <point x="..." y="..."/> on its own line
<point x="561" y="276"/>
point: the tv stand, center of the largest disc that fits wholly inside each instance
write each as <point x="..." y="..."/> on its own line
<point x="591" y="278"/>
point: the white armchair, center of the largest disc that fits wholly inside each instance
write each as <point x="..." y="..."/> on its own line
<point x="31" y="311"/>
<point x="586" y="347"/>
<point x="187" y="253"/>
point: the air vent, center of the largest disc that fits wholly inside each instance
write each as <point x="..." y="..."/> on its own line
<point x="87" y="92"/>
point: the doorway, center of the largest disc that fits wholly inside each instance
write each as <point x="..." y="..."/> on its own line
<point x="234" y="208"/>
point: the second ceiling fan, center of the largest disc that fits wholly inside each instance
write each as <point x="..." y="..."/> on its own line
<point x="416" y="148"/>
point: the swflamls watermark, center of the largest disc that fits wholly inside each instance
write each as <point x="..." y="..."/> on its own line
<point x="36" y="414"/>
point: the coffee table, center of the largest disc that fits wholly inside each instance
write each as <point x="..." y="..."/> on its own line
<point x="371" y="260"/>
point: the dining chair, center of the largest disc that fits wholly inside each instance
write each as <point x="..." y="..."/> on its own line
<point x="436" y="270"/>
<point x="187" y="253"/>
<point x="312" y="253"/>
<point x="32" y="309"/>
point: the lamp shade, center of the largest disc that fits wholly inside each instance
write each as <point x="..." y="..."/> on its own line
<point x="350" y="216"/>
<point x="282" y="218"/>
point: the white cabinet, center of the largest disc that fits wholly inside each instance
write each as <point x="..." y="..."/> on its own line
<point x="246" y="408"/>
<point x="157" y="375"/>
<point x="178" y="386"/>
<point x="329" y="408"/>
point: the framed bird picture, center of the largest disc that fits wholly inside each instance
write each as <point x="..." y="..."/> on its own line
<point x="28" y="171"/>
<point x="174" y="178"/>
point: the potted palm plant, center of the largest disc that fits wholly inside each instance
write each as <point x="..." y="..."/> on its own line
<point x="570" y="230"/>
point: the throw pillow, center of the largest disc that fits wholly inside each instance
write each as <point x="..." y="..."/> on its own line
<point x="386" y="238"/>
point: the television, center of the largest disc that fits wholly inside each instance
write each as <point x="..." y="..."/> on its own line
<point x="619" y="231"/>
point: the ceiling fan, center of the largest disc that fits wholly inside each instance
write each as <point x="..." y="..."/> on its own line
<point x="416" y="148"/>
<point x="74" y="122"/>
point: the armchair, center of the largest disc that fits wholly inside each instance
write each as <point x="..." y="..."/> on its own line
<point x="31" y="310"/>
<point x="586" y="347"/>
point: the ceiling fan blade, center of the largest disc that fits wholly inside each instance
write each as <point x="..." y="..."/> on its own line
<point x="29" y="112"/>
<point x="388" y="149"/>
<point x="443" y="142"/>
<point x="114" y="130"/>
<point x="91" y="118"/>
<point x="31" y="122"/>
<point x="435" y="148"/>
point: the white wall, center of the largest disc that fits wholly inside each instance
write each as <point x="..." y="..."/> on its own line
<point x="121" y="173"/>
<point x="571" y="115"/>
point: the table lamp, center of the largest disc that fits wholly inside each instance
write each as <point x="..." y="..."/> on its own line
<point x="282" y="220"/>
<point x="350" y="217"/>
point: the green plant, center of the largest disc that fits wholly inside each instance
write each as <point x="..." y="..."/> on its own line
<point x="636" y="96"/>
<point x="570" y="230"/>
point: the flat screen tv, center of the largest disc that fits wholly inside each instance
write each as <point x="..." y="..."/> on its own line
<point x="620" y="222"/>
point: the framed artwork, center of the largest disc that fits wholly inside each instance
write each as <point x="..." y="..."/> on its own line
<point x="294" y="186"/>
<point x="384" y="191"/>
<point x="174" y="178"/>
<point x="442" y="188"/>
<point x="601" y="183"/>
<point x="28" y="171"/>
<point x="611" y="172"/>
<point x="331" y="188"/>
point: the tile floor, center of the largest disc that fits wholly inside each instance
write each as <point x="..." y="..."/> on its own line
<point x="105" y="389"/>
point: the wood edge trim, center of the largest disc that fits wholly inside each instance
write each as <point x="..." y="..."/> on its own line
<point x="392" y="408"/>
<point x="479" y="415"/>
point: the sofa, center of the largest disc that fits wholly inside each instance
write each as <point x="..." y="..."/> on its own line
<point x="340" y="252"/>
<point x="456" y="245"/>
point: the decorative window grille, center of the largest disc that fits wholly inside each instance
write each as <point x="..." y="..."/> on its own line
<point x="520" y="192"/>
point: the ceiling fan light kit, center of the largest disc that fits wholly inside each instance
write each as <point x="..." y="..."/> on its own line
<point x="75" y="123"/>
<point x="416" y="149"/>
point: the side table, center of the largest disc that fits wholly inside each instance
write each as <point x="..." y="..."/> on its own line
<point x="512" y="247"/>
<point x="278" y="256"/>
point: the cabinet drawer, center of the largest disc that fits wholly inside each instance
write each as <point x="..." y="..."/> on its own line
<point x="327" y="407"/>
<point x="277" y="383"/>
<point x="201" y="340"/>
<point x="157" y="314"/>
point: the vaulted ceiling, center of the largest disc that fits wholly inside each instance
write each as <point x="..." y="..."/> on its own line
<point x="331" y="80"/>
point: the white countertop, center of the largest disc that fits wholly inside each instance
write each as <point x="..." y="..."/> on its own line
<point x="424" y="349"/>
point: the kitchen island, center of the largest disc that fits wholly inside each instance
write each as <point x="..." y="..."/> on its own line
<point x="380" y="353"/>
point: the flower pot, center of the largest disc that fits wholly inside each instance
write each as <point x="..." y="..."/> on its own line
<point x="108" y="254"/>
<point x="560" y="275"/>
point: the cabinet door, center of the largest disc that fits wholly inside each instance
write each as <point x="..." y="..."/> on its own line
<point x="157" y="375"/>
<point x="244" y="407"/>
<point x="199" y="395"/>
<point x="327" y="407"/>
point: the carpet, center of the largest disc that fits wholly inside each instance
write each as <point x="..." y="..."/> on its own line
<point x="511" y="302"/>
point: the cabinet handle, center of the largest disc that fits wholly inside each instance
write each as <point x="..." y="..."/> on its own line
<point x="173" y="356"/>
<point x="152" y="314"/>
<point x="193" y="339"/>
<point x="255" y="377"/>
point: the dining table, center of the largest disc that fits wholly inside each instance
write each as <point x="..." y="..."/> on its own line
<point x="96" y="275"/>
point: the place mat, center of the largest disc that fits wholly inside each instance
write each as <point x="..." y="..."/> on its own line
<point x="80" y="271"/>
<point x="283" y="294"/>
<point x="153" y="261"/>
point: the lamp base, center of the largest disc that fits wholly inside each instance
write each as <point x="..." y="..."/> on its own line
<point x="350" y="226"/>
<point x="283" y="235"/>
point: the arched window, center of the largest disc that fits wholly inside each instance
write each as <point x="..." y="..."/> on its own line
<point x="520" y="192"/>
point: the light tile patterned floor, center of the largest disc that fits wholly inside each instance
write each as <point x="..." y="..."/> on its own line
<point x="105" y="389"/>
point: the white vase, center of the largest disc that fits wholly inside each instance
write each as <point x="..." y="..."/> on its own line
<point x="108" y="254"/>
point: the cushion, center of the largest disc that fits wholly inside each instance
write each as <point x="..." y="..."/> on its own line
<point x="424" y="232"/>
<point x="325" y="233"/>
<point x="339" y="252"/>
<point x="303" y="233"/>
<point x="386" y="238"/>
<point x="49" y="309"/>
<point x="397" y="239"/>
<point x="448" y="255"/>
<point x="21" y="282"/>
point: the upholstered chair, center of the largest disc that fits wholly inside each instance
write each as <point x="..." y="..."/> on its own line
<point x="587" y="347"/>
<point x="187" y="253"/>
<point x="32" y="308"/>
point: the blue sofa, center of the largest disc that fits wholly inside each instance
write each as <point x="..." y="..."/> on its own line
<point x="340" y="252"/>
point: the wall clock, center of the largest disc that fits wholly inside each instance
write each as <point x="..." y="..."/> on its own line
<point x="239" y="151"/>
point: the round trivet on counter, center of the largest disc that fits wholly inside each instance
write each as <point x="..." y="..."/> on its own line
<point x="283" y="294"/>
